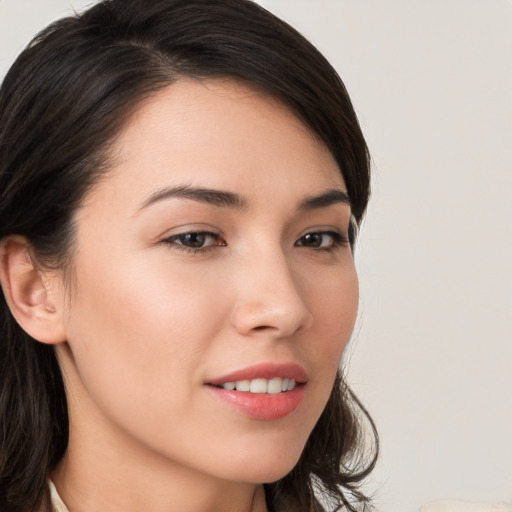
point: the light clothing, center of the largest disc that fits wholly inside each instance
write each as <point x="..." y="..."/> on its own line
<point x="57" y="502"/>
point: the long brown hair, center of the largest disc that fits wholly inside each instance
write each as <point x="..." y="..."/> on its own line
<point x="61" y="104"/>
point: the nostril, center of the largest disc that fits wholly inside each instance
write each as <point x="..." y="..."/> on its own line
<point x="261" y="327"/>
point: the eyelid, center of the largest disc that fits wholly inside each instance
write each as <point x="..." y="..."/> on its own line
<point x="185" y="228"/>
<point x="326" y="228"/>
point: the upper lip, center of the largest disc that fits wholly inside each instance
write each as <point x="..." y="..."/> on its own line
<point x="270" y="370"/>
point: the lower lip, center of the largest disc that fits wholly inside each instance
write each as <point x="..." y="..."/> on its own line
<point x="261" y="406"/>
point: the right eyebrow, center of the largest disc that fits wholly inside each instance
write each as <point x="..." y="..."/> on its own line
<point x="327" y="198"/>
<point x="214" y="197"/>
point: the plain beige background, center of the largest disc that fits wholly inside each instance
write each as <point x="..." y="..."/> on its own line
<point x="431" y="81"/>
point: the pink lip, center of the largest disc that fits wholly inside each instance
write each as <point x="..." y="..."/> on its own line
<point x="264" y="371"/>
<point x="262" y="406"/>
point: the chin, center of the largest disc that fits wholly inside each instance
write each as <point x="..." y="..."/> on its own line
<point x="267" y="457"/>
<point x="265" y="467"/>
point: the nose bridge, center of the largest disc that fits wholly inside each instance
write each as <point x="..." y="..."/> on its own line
<point x="269" y="296"/>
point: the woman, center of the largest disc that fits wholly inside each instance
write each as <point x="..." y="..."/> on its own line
<point x="181" y="182"/>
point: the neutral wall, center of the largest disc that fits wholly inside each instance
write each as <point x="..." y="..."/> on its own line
<point x="432" y="357"/>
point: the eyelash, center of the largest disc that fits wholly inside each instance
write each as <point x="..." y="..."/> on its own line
<point x="337" y="240"/>
<point x="173" y="241"/>
<point x="177" y="241"/>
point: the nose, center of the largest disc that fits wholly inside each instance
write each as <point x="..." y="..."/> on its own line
<point x="269" y="299"/>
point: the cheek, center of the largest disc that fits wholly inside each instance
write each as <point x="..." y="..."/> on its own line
<point x="139" y="331"/>
<point x="333" y="299"/>
<point x="334" y="303"/>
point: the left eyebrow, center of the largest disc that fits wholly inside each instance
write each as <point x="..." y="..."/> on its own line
<point x="199" y="194"/>
<point x="328" y="198"/>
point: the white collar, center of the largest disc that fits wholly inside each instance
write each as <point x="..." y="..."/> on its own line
<point x="57" y="502"/>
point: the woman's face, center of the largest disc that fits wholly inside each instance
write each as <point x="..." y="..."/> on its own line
<point x="215" y="252"/>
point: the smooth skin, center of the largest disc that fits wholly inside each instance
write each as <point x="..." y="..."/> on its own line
<point x="168" y="291"/>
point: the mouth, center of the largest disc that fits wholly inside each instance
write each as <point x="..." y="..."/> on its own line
<point x="260" y="386"/>
<point x="263" y="392"/>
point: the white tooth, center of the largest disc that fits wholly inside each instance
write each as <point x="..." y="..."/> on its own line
<point x="284" y="385"/>
<point x="230" y="386"/>
<point x="274" y="386"/>
<point x="243" y="385"/>
<point x="291" y="385"/>
<point x="258" y="386"/>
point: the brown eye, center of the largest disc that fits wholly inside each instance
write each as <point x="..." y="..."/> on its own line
<point x="321" y="240"/>
<point x="195" y="240"/>
<point x="312" y="240"/>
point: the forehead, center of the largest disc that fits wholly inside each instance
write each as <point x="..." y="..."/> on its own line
<point x="220" y="135"/>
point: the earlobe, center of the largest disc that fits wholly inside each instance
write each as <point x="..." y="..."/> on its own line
<point x="32" y="297"/>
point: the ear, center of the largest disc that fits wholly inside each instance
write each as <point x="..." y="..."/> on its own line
<point x="34" y="297"/>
